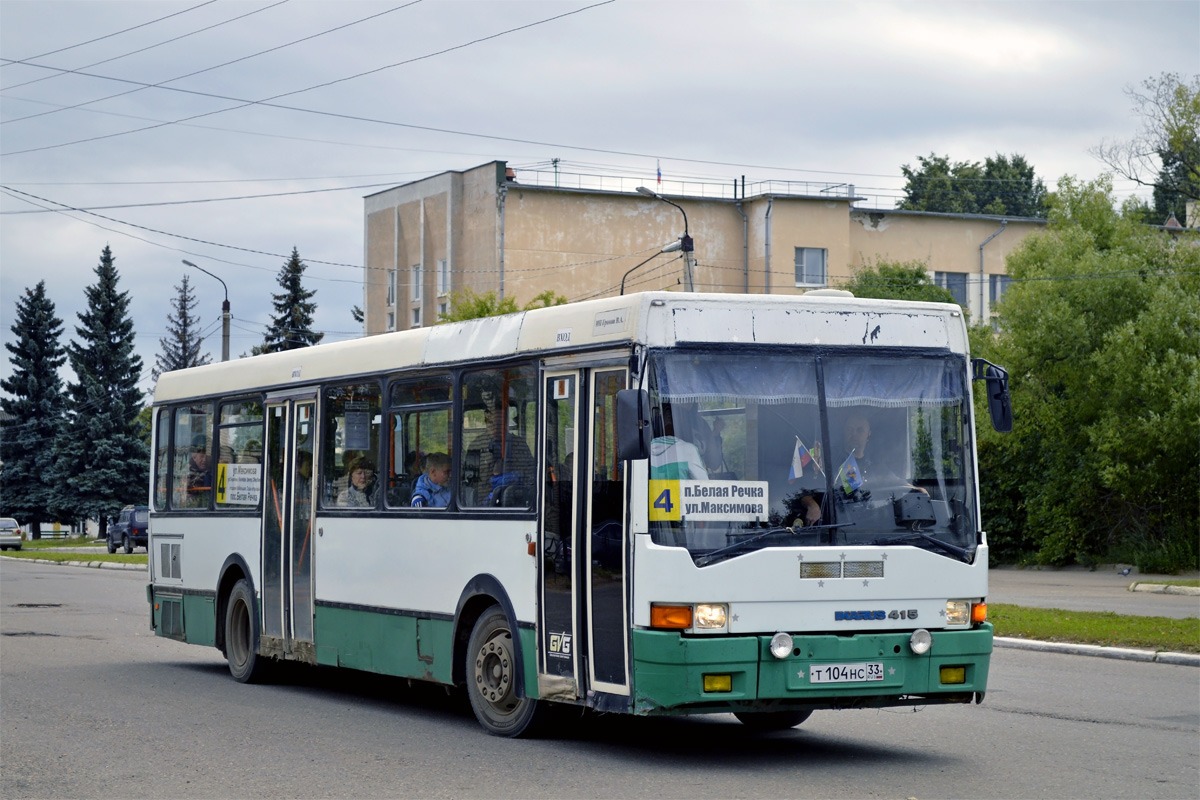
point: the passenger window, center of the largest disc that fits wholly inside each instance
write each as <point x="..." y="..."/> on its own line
<point x="420" y="439"/>
<point x="162" y="458"/>
<point x="496" y="467"/>
<point x="239" y="454"/>
<point x="350" y="472"/>
<point x="191" y="460"/>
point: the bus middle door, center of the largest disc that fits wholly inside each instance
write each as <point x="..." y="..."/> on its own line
<point x="287" y="557"/>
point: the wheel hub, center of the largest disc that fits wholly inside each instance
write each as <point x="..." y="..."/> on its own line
<point x="494" y="670"/>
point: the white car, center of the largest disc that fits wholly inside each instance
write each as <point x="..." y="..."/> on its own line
<point x="10" y="534"/>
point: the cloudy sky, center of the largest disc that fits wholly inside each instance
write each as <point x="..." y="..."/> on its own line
<point x="227" y="132"/>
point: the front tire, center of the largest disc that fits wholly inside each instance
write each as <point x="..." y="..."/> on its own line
<point x="769" y="721"/>
<point x="112" y="546"/>
<point x="491" y="680"/>
<point x="241" y="636"/>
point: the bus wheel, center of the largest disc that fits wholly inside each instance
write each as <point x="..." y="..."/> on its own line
<point x="241" y="636"/>
<point x="766" y="721"/>
<point x="491" y="679"/>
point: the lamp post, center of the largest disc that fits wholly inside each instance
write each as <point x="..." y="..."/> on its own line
<point x="224" y="312"/>
<point x="670" y="248"/>
<point x="685" y="242"/>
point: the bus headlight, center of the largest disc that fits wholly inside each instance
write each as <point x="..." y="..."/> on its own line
<point x="920" y="641"/>
<point x="781" y="645"/>
<point x="958" y="612"/>
<point x="711" y="616"/>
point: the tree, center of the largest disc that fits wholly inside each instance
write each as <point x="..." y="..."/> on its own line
<point x="1100" y="331"/>
<point x="896" y="280"/>
<point x="102" y="464"/>
<point x="1003" y="185"/>
<point x="291" y="326"/>
<point x="1165" y="154"/>
<point x="181" y="345"/>
<point x="466" y="304"/>
<point x="36" y="409"/>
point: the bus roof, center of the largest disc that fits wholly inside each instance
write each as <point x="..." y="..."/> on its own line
<point x="651" y="318"/>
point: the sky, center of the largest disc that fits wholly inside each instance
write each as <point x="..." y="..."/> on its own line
<point x="227" y="132"/>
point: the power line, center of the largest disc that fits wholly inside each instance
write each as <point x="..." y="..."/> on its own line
<point x="140" y="50"/>
<point x="161" y="84"/>
<point x="116" y="33"/>
<point x="266" y="102"/>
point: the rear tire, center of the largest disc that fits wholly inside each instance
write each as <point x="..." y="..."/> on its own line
<point x="491" y="680"/>
<point x="241" y="636"/>
<point x="768" y="721"/>
<point x="128" y="544"/>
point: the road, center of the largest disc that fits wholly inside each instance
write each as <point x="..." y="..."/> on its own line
<point x="92" y="705"/>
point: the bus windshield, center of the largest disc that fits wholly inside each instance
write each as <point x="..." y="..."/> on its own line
<point x="775" y="449"/>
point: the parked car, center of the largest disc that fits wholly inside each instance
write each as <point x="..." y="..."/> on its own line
<point x="10" y="534"/>
<point x="129" y="530"/>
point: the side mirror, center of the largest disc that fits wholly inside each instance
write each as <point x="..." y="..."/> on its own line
<point x="633" y="424"/>
<point x="996" y="385"/>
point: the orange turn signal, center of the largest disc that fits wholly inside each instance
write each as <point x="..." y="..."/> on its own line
<point x="678" y="617"/>
<point x="979" y="613"/>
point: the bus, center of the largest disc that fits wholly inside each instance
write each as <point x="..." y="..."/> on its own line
<point x="656" y="504"/>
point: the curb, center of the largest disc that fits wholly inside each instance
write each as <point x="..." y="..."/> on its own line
<point x="1164" y="588"/>
<point x="92" y="564"/>
<point x="1121" y="653"/>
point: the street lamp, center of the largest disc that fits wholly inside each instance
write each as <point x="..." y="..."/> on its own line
<point x="685" y="242"/>
<point x="670" y="248"/>
<point x="224" y="312"/>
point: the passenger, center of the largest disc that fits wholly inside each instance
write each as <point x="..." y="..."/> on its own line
<point x="689" y="449"/>
<point x="504" y="458"/>
<point x="432" y="489"/>
<point x="199" y="478"/>
<point x="360" y="485"/>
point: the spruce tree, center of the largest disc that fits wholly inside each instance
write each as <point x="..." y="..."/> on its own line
<point x="291" y="326"/>
<point x="102" y="462"/>
<point x="36" y="412"/>
<point x="181" y="345"/>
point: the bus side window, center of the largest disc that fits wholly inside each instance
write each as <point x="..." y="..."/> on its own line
<point x="353" y="419"/>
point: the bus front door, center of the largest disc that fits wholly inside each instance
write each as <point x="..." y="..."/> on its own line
<point x="287" y="576"/>
<point x="582" y="632"/>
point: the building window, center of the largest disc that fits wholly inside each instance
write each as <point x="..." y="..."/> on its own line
<point x="417" y="275"/>
<point x="810" y="266"/>
<point x="443" y="277"/>
<point x="391" y="320"/>
<point x="392" y="278"/>
<point x="955" y="282"/>
<point x="443" y="308"/>
<point x="997" y="286"/>
<point x="416" y="317"/>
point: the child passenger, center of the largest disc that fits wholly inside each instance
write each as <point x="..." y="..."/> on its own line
<point x="432" y="489"/>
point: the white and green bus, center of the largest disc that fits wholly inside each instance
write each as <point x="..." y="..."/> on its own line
<point x="657" y="504"/>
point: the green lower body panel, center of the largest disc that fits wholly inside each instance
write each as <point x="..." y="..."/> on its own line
<point x="669" y="671"/>
<point x="189" y="618"/>
<point x="390" y="644"/>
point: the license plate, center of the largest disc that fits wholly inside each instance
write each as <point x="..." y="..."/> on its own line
<point x="846" y="673"/>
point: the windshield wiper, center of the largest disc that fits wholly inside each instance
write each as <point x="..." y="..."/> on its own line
<point x="963" y="553"/>
<point x="709" y="558"/>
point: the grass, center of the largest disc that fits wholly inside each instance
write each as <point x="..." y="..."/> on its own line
<point x="1096" y="627"/>
<point x="50" y="544"/>
<point x="1176" y="582"/>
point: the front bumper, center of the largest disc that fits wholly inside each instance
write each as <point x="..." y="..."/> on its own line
<point x="669" y="671"/>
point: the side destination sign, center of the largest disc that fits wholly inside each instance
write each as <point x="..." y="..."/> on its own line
<point x="673" y="500"/>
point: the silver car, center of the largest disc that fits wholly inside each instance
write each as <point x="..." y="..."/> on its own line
<point x="10" y="534"/>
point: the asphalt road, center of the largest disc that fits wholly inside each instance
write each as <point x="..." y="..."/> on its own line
<point x="93" y="705"/>
<point x="1078" y="589"/>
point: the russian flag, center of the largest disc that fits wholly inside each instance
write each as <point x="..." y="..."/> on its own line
<point x="658" y="164"/>
<point x="800" y="459"/>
